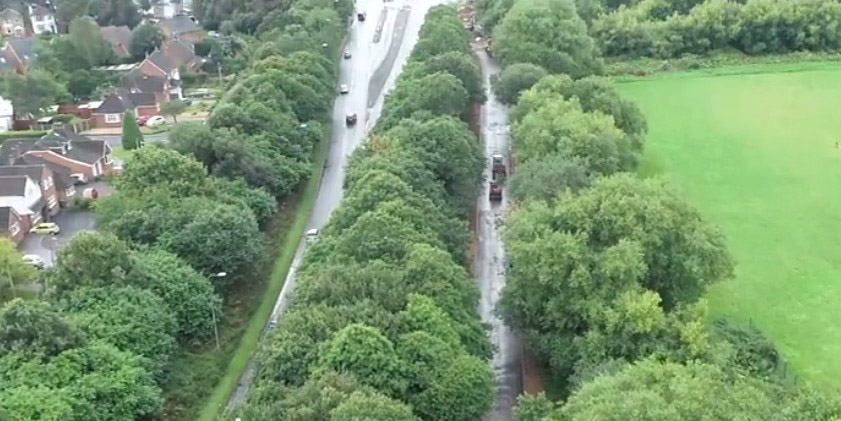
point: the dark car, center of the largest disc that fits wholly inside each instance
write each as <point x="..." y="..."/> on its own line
<point x="347" y="53"/>
<point x="350" y="119"/>
<point x="361" y="16"/>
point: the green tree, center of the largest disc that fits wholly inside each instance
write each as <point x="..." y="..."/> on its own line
<point x="87" y="39"/>
<point x="132" y="137"/>
<point x="67" y="10"/>
<point x="456" y="63"/>
<point x="34" y="92"/>
<point x="516" y="78"/>
<point x="173" y="108"/>
<point x="90" y="260"/>
<point x="116" y="12"/>
<point x="545" y="178"/>
<point x="314" y="400"/>
<point x="14" y="270"/>
<point x="145" y="39"/>
<point x="33" y="327"/>
<point x="154" y="167"/>
<point x="464" y="392"/>
<point x="371" y="407"/>
<point x="82" y="84"/>
<point x="548" y="33"/>
<point x="533" y="407"/>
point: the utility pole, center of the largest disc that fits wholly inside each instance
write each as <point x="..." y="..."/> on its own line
<point x="213" y="310"/>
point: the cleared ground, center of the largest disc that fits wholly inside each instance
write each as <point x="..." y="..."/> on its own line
<point x="756" y="149"/>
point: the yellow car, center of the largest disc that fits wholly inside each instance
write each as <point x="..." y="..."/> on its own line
<point x="45" y="228"/>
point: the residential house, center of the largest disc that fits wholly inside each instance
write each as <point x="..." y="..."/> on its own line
<point x="42" y="20"/>
<point x="119" y="38"/>
<point x="12" y="224"/>
<point x="11" y="23"/>
<point x="110" y="112"/>
<point x="81" y="157"/>
<point x="17" y="54"/>
<point x="23" y="196"/>
<point x="43" y="177"/>
<point x="65" y="184"/>
<point x="7" y="115"/>
<point x="182" y="54"/>
<point x="158" y="65"/>
<point x="182" y="27"/>
<point x="162" y="87"/>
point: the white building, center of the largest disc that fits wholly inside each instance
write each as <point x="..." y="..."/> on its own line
<point x="7" y="115"/>
<point x="42" y="20"/>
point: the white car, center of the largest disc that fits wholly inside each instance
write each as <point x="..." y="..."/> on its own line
<point x="312" y="235"/>
<point x="343" y="89"/>
<point x="155" y="121"/>
<point x="34" y="260"/>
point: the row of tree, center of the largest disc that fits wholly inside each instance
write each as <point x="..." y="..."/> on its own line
<point x="382" y="324"/>
<point x="658" y="28"/>
<point x="606" y="270"/>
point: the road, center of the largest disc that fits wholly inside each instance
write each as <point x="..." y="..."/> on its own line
<point x="117" y="140"/>
<point x="490" y="257"/>
<point x="376" y="60"/>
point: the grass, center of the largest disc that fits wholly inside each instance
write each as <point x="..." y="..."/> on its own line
<point x="754" y="149"/>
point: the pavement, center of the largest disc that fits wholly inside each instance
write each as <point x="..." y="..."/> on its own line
<point x="378" y="53"/>
<point x="117" y="139"/>
<point x="489" y="265"/>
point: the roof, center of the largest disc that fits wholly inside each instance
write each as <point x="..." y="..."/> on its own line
<point x="10" y="14"/>
<point x="117" y="35"/>
<point x="179" y="52"/>
<point x="179" y="25"/>
<point x="6" y="213"/>
<point x="40" y="10"/>
<point x="163" y="62"/>
<point x="117" y="67"/>
<point x="23" y="47"/>
<point x="8" y="63"/>
<point x="140" y="82"/>
<point x="123" y="100"/>
<point x="12" y="149"/>
<point x="35" y="172"/>
<point x="87" y="151"/>
<point x="13" y="185"/>
<point x="61" y="175"/>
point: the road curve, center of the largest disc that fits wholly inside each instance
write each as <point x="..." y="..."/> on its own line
<point x="489" y="265"/>
<point x="371" y="62"/>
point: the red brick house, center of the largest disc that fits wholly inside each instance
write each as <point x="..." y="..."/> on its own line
<point x="163" y="88"/>
<point x="12" y="224"/>
<point x="119" y="38"/>
<point x="65" y="185"/>
<point x="78" y="156"/>
<point x="42" y="176"/>
<point x="110" y="112"/>
<point x="22" y="196"/>
<point x="181" y="27"/>
<point x="182" y="54"/>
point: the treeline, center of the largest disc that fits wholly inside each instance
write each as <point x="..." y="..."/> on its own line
<point x="606" y="271"/>
<point x="382" y="325"/>
<point x="179" y="237"/>
<point x="666" y="29"/>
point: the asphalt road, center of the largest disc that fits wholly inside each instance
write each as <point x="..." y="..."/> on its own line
<point x="490" y="260"/>
<point x="378" y="53"/>
<point x="116" y="140"/>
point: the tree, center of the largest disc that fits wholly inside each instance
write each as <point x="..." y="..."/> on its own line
<point x="145" y="39"/>
<point x="14" y="270"/>
<point x="314" y="400"/>
<point x="173" y="108"/>
<point x="456" y="63"/>
<point x="464" y="392"/>
<point x="87" y="39"/>
<point x="33" y="327"/>
<point x="82" y="84"/>
<point x="154" y="168"/>
<point x="194" y="139"/>
<point x="34" y="92"/>
<point x="517" y="78"/>
<point x="438" y="94"/>
<point x="545" y="178"/>
<point x="533" y="407"/>
<point x="132" y="137"/>
<point x="67" y="10"/>
<point x="548" y="33"/>
<point x="90" y="260"/>
<point x="132" y="319"/>
<point x="116" y="12"/>
<point x="371" y="407"/>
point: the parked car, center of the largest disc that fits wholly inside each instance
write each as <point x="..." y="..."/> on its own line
<point x="142" y="120"/>
<point x="34" y="260"/>
<point x="347" y="54"/>
<point x="155" y="121"/>
<point x="343" y="89"/>
<point x="350" y="119"/>
<point x="45" y="228"/>
<point x="79" y="178"/>
<point x="312" y="235"/>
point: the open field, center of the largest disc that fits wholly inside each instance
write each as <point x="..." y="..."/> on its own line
<point x="754" y="148"/>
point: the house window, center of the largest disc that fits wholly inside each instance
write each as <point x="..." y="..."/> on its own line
<point x="112" y="118"/>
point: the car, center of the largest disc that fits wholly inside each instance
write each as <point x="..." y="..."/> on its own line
<point x="45" y="228"/>
<point x="79" y="178"/>
<point x="33" y="260"/>
<point x="312" y="235"/>
<point x="343" y="89"/>
<point x="142" y="120"/>
<point x="272" y="324"/>
<point x="347" y="54"/>
<point x="155" y="121"/>
<point x="350" y="119"/>
<point x="361" y="16"/>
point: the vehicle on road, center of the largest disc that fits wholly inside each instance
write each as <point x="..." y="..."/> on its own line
<point x="495" y="192"/>
<point x="343" y="89"/>
<point x="155" y="121"/>
<point x="350" y="119"/>
<point x="141" y="121"/>
<point x="361" y="16"/>
<point x="34" y="261"/>
<point x="498" y="170"/>
<point x="312" y="234"/>
<point x="50" y="228"/>
<point x="347" y="54"/>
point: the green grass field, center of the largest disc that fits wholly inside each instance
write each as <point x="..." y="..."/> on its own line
<point x="754" y="149"/>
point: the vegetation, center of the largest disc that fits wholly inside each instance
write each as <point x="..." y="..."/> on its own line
<point x="15" y="270"/>
<point x="394" y="315"/>
<point x="145" y="39"/>
<point x="132" y="138"/>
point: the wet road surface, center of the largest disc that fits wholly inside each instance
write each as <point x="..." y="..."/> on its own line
<point x="371" y="63"/>
<point x="490" y="258"/>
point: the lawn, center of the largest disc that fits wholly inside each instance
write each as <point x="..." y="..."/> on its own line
<point x="754" y="149"/>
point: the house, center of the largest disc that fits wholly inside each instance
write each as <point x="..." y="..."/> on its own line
<point x="43" y="177"/>
<point x="119" y="38"/>
<point x="11" y="23"/>
<point x="23" y="196"/>
<point x="181" y="27"/>
<point x="7" y="115"/>
<point x="65" y="184"/>
<point x="110" y="112"/>
<point x="42" y="20"/>
<point x="17" y="54"/>
<point x="158" y="65"/>
<point x="12" y="224"/>
<point x="79" y="156"/>
<point x="182" y="54"/>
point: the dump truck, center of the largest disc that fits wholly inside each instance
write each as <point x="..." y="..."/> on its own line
<point x="495" y="192"/>
<point x="498" y="170"/>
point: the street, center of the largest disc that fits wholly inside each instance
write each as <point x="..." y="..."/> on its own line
<point x="117" y="140"/>
<point x="490" y="257"/>
<point x="378" y="55"/>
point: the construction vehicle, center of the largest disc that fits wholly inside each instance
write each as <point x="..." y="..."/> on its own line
<point x="498" y="170"/>
<point x="495" y="192"/>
